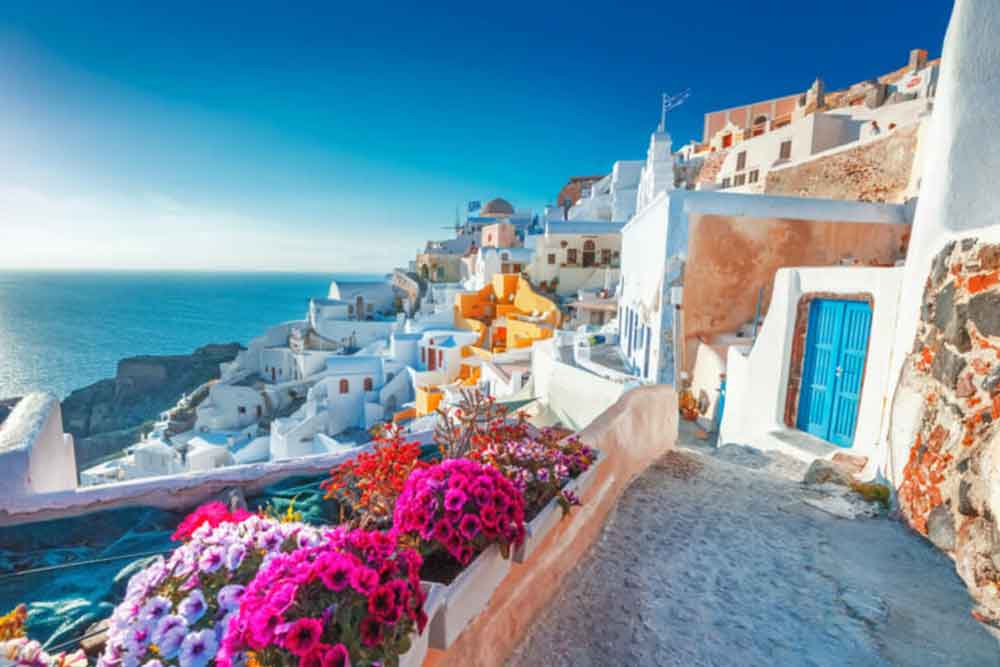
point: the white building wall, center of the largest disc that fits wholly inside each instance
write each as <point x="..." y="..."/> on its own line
<point x="35" y="455"/>
<point x="757" y="378"/>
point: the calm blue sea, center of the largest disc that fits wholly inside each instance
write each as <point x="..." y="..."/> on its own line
<point x="60" y="331"/>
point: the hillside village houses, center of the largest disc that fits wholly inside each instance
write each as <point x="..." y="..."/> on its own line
<point x="653" y="273"/>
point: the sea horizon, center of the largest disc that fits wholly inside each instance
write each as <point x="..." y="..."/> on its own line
<point x="64" y="329"/>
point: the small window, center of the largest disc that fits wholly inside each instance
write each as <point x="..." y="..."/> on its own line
<point x="368" y="384"/>
<point x="571" y="256"/>
<point x="741" y="161"/>
<point x="605" y="256"/>
<point x="350" y="310"/>
<point x="563" y="244"/>
<point x="754" y="176"/>
<point x="344" y="386"/>
<point x="517" y="268"/>
<point x="242" y="409"/>
<point x="786" y="150"/>
<point x="552" y="258"/>
<point x="740" y="179"/>
<point x="504" y="256"/>
<point x="726" y="183"/>
<point x="588" y="245"/>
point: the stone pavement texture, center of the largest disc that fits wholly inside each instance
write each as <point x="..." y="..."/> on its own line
<point x="714" y="557"/>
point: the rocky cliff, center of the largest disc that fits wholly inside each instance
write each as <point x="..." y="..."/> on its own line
<point x="107" y="415"/>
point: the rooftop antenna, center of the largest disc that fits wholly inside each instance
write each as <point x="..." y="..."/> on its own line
<point x="669" y="103"/>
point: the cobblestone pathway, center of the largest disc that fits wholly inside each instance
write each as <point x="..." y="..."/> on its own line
<point x="713" y="558"/>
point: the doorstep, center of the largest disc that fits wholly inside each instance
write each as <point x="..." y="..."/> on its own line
<point x="797" y="444"/>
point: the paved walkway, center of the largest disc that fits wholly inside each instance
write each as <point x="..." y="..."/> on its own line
<point x="713" y="557"/>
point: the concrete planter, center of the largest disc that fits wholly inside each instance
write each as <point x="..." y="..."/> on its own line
<point x="467" y="596"/>
<point x="552" y="514"/>
<point x="432" y="605"/>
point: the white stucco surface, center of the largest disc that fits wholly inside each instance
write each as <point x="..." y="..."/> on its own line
<point x="757" y="379"/>
<point x="35" y="455"/>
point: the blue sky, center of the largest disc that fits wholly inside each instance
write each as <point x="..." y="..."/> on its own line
<point x="340" y="136"/>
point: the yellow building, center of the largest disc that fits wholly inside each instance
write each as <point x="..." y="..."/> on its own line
<point x="507" y="314"/>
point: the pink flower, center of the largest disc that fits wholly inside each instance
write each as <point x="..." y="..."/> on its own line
<point x="364" y="580"/>
<point x="336" y="656"/>
<point x="262" y="626"/>
<point x="469" y="527"/>
<point x="313" y="658"/>
<point x="337" y="575"/>
<point x="303" y="636"/>
<point x="454" y="500"/>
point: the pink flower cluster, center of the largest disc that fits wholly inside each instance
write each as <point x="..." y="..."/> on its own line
<point x="213" y="514"/>
<point x="353" y="598"/>
<point x="462" y="507"/>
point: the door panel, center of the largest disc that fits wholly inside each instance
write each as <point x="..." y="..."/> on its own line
<point x="819" y="368"/>
<point x="850" y="372"/>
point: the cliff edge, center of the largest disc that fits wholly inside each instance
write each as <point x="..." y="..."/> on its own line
<point x="106" y="416"/>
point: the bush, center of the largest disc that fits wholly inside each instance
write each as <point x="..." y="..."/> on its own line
<point x="353" y="599"/>
<point x="176" y="610"/>
<point x="459" y="507"/>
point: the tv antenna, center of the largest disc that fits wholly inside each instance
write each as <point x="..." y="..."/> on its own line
<point x="669" y="103"/>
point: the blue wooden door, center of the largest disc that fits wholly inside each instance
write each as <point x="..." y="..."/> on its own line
<point x="836" y="348"/>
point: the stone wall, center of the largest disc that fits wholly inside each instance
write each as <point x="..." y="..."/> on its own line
<point x="878" y="171"/>
<point x="950" y="490"/>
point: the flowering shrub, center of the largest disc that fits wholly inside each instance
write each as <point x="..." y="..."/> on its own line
<point x="213" y="514"/>
<point x="539" y="468"/>
<point x="463" y="428"/>
<point x="367" y="486"/>
<point x="176" y="610"/>
<point x="24" y="652"/>
<point x="461" y="507"/>
<point x="353" y="599"/>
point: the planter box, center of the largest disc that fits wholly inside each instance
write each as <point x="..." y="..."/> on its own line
<point x="418" y="648"/>
<point x="467" y="596"/>
<point x="552" y="513"/>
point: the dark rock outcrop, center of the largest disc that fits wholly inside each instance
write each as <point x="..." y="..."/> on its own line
<point x="108" y="415"/>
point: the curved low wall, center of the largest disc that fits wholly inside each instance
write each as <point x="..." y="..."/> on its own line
<point x="632" y="433"/>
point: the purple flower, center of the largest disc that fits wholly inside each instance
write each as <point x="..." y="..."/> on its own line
<point x="156" y="608"/>
<point x="229" y="596"/>
<point x="269" y="540"/>
<point x="170" y="641"/>
<point x="211" y="559"/>
<point x="198" y="649"/>
<point x="193" y="606"/>
<point x="235" y="555"/>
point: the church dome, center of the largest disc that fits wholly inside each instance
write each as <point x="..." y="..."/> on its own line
<point x="497" y="208"/>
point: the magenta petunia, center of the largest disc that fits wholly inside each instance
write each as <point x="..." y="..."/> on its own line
<point x="364" y="580"/>
<point x="336" y="656"/>
<point x="303" y="636"/>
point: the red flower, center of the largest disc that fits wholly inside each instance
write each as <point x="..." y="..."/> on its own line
<point x="381" y="603"/>
<point x="303" y="636"/>
<point x="371" y="631"/>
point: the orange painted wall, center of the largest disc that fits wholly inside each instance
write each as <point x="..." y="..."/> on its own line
<point x="730" y="258"/>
